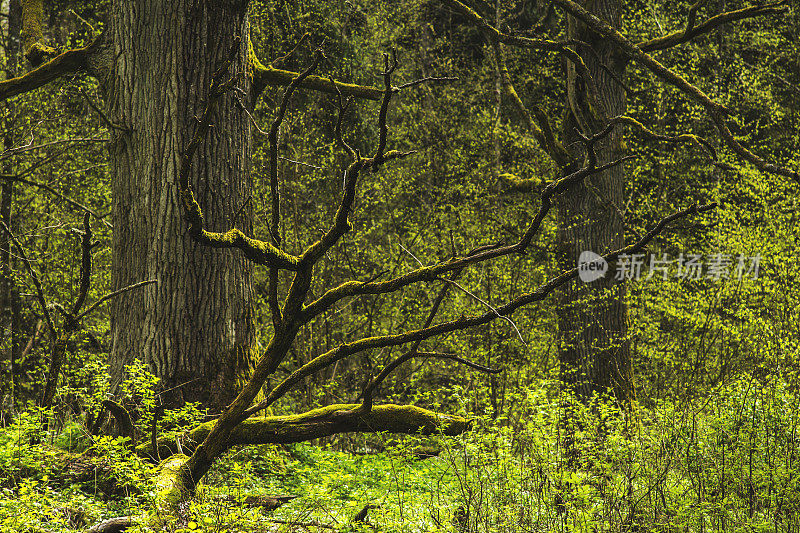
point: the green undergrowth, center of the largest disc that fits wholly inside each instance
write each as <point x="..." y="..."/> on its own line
<point x="728" y="462"/>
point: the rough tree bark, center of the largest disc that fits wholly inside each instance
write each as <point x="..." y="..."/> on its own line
<point x="593" y="348"/>
<point x="194" y="328"/>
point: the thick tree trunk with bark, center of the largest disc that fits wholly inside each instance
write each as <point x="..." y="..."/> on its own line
<point x="593" y="347"/>
<point x="194" y="327"/>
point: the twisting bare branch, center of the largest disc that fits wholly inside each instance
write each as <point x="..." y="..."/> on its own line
<point x="716" y="111"/>
<point x="431" y="273"/>
<point x="112" y="295"/>
<point x="275" y="218"/>
<point x="691" y="31"/>
<point x="428" y="331"/>
<point x="37" y="284"/>
<point x="284" y="387"/>
<point x="278" y="62"/>
<point x="389" y="68"/>
<point x="682" y="138"/>
<point x="260" y="252"/>
<point x="413" y="354"/>
<point x="340" y="226"/>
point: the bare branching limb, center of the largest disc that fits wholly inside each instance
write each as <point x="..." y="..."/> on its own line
<point x="218" y="438"/>
<point x="691" y="31"/>
<point x="649" y="134"/>
<point x="691" y="17"/>
<point x="426" y="332"/>
<point x="57" y="194"/>
<point x="278" y="63"/>
<point x="390" y="65"/>
<point x="264" y="76"/>
<point x="60" y="338"/>
<point x="260" y="252"/>
<point x="344" y="105"/>
<point x="71" y="325"/>
<point x="341" y="225"/>
<point x="275" y="219"/>
<point x="431" y="273"/>
<point x="112" y="295"/>
<point x="716" y="111"/>
<point x="37" y="284"/>
<point x="306" y="370"/>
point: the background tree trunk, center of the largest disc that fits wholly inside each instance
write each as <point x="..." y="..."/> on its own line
<point x="593" y="349"/>
<point x="194" y="328"/>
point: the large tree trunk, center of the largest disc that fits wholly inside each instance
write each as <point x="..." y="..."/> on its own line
<point x="593" y="348"/>
<point x="194" y="328"/>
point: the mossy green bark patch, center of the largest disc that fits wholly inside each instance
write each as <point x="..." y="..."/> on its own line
<point x="322" y="422"/>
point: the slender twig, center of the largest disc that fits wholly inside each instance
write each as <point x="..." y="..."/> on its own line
<point x="111" y="295"/>
<point x="426" y="80"/>
<point x="275" y="218"/>
<point x="30" y="146"/>
<point x="54" y="192"/>
<point x="34" y="278"/>
<point x="278" y="62"/>
<point x="101" y="113"/>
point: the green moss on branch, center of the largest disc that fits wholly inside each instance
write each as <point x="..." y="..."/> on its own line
<point x="170" y="489"/>
<point x="264" y="76"/>
<point x="323" y="422"/>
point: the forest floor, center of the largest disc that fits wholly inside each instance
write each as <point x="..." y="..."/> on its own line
<point x="729" y="461"/>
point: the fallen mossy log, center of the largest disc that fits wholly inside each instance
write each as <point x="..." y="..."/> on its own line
<point x="322" y="422"/>
<point x="172" y="490"/>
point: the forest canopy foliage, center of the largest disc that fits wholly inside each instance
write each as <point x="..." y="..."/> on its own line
<point x="291" y="266"/>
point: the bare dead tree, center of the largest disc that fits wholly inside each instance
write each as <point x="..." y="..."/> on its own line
<point x="181" y="473"/>
<point x="186" y="465"/>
